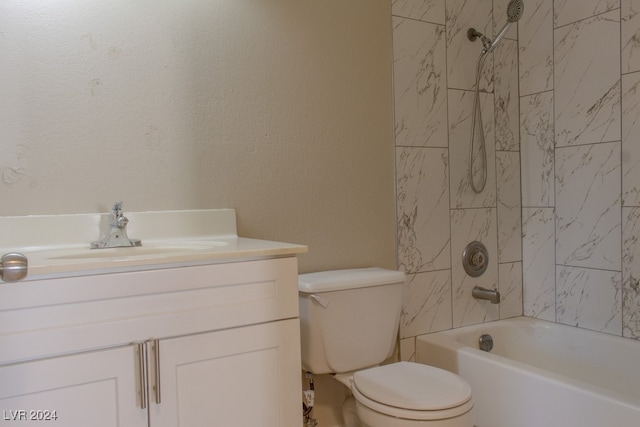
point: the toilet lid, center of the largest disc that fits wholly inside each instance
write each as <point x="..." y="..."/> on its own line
<point x="413" y="386"/>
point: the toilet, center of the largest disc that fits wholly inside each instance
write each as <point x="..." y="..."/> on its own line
<point x="349" y="323"/>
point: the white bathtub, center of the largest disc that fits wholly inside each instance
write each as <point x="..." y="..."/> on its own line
<point x="542" y="374"/>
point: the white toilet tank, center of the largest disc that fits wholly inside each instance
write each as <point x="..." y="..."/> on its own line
<point x="348" y="318"/>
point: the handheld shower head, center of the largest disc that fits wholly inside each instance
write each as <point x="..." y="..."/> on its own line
<point x="515" y="9"/>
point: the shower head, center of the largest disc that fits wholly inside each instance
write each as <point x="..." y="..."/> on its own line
<point x="515" y="9"/>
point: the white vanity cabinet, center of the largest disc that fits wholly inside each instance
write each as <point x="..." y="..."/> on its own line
<point x="95" y="389"/>
<point x="229" y="378"/>
<point x="202" y="345"/>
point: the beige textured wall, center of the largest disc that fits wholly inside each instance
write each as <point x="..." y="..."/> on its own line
<point x="280" y="109"/>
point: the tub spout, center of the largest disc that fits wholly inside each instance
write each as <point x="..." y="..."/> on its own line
<point x="491" y="295"/>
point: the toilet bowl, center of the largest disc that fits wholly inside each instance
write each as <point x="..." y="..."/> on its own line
<point x="349" y="323"/>
<point x="406" y="394"/>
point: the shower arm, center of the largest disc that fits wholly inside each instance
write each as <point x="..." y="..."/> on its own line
<point x="473" y="35"/>
<point x="487" y="44"/>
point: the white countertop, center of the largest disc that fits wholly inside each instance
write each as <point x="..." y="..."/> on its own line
<point x="58" y="245"/>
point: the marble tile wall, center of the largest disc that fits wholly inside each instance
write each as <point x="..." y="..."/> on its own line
<point x="579" y="67"/>
<point x="438" y="214"/>
<point x="561" y="212"/>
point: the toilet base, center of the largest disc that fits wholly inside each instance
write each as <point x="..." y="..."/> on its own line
<point x="356" y="414"/>
<point x="349" y="413"/>
<point x="370" y="418"/>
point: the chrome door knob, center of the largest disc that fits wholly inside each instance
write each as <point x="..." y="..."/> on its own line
<point x="13" y="267"/>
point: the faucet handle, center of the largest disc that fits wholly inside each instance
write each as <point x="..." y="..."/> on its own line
<point x="119" y="219"/>
<point x="117" y="208"/>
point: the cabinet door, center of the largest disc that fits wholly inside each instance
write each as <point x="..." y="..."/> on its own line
<point x="96" y="389"/>
<point x="248" y="376"/>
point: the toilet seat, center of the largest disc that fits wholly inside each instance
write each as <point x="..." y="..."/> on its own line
<point x="412" y="391"/>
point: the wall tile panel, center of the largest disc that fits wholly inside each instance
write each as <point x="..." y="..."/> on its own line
<point x="535" y="41"/>
<point x="631" y="139"/>
<point x="423" y="209"/>
<point x="588" y="208"/>
<point x="587" y="87"/>
<point x="419" y="80"/>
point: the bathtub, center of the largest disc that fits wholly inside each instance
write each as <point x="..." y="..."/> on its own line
<point x="542" y="374"/>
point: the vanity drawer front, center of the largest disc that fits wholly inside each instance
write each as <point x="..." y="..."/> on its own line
<point x="49" y="317"/>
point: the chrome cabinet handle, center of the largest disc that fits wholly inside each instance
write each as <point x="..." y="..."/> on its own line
<point x="13" y="267"/>
<point x="156" y="353"/>
<point x="142" y="370"/>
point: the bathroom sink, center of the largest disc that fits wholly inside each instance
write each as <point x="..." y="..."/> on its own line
<point x="59" y="245"/>
<point x="142" y="251"/>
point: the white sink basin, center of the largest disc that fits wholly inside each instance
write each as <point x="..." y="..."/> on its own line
<point x="142" y="251"/>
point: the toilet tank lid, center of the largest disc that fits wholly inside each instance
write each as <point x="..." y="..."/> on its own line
<point x="336" y="280"/>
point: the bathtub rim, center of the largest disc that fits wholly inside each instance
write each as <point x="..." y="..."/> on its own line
<point x="447" y="339"/>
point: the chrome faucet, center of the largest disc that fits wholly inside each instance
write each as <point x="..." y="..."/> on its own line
<point x="117" y="237"/>
<point x="491" y="295"/>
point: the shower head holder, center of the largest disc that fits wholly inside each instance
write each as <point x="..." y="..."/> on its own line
<point x="473" y="35"/>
